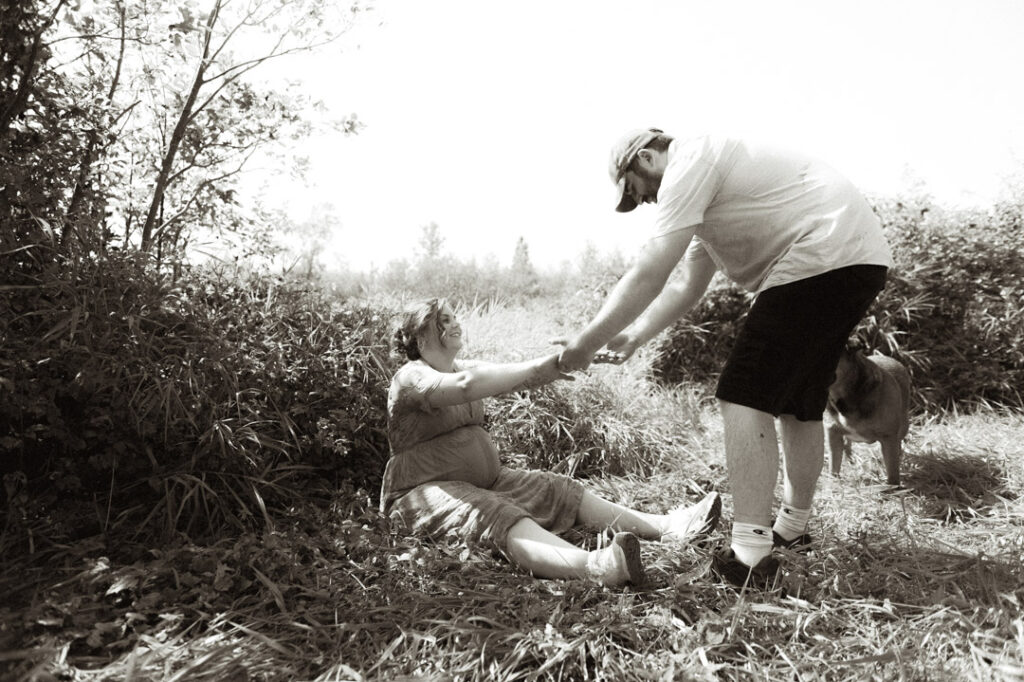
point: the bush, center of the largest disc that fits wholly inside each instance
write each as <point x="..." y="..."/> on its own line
<point x="695" y="348"/>
<point x="197" y="399"/>
<point x="952" y="310"/>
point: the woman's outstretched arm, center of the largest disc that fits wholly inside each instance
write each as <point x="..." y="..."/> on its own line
<point x="485" y="380"/>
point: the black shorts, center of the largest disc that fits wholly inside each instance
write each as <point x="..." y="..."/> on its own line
<point x="786" y="354"/>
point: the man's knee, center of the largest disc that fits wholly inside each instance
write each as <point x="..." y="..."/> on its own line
<point x="731" y="410"/>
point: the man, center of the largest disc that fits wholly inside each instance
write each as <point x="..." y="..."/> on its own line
<point x="806" y="242"/>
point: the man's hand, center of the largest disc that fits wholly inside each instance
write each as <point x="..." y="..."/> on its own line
<point x="618" y="350"/>
<point x="573" y="358"/>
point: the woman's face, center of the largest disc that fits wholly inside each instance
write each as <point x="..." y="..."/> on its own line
<point x="448" y="332"/>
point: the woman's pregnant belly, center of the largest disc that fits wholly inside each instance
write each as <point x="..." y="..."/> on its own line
<point x="465" y="454"/>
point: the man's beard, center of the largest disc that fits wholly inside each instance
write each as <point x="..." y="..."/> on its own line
<point x="651" y="178"/>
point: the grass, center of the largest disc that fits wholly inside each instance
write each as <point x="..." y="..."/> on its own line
<point x="926" y="584"/>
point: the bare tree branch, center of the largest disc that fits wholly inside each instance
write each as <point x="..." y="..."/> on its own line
<point x="209" y="182"/>
<point x="230" y="35"/>
<point x="179" y="132"/>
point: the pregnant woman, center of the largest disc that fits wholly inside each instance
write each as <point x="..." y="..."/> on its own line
<point x="445" y="475"/>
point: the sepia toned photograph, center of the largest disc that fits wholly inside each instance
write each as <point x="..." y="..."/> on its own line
<point x="480" y="341"/>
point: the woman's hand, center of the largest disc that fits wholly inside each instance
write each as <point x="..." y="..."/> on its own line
<point x="547" y="371"/>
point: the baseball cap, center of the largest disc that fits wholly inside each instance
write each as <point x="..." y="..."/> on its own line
<point x="623" y="153"/>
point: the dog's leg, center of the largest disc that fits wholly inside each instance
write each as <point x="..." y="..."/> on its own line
<point x="835" y="447"/>
<point x="892" y="450"/>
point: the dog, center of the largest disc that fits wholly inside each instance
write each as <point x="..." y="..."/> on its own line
<point x="868" y="402"/>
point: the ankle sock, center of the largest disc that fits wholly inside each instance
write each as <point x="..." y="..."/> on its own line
<point x="791" y="522"/>
<point x="751" y="542"/>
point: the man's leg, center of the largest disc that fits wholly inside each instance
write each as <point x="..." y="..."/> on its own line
<point x="803" y="451"/>
<point x="752" y="459"/>
<point x="803" y="455"/>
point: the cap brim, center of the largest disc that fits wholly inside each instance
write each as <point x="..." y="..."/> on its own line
<point x="626" y="203"/>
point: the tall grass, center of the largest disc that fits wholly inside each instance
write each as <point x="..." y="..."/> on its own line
<point x="194" y="403"/>
<point x="608" y="420"/>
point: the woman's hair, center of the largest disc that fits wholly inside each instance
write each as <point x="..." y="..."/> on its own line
<point x="415" y="323"/>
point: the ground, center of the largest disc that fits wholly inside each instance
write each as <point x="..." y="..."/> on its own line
<point x="923" y="584"/>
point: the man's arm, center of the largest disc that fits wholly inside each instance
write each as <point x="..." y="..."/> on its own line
<point x="630" y="297"/>
<point x="677" y="299"/>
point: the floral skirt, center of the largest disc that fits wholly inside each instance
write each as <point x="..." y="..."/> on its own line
<point x="484" y="515"/>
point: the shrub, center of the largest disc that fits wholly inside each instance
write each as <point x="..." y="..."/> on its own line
<point x="952" y="310"/>
<point x="694" y="349"/>
<point x="197" y="399"/>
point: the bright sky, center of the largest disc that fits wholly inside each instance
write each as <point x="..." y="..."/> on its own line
<point x="494" y="119"/>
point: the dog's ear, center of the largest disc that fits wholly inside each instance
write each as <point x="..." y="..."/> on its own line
<point x="855" y="345"/>
<point x="869" y="376"/>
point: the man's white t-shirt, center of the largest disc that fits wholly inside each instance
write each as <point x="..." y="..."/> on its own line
<point x="765" y="217"/>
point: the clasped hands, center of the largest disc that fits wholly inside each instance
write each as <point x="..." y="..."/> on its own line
<point x="617" y="351"/>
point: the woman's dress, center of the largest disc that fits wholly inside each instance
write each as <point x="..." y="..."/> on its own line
<point x="445" y="475"/>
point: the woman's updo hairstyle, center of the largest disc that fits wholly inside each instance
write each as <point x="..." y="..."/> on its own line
<point x="414" y="324"/>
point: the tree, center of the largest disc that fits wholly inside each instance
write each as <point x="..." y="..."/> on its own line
<point x="521" y="259"/>
<point x="154" y="110"/>
<point x="22" y="26"/>
<point x="430" y="243"/>
<point x="222" y="119"/>
<point x="524" y="276"/>
<point x="309" y="238"/>
<point x="42" y="117"/>
<point x="435" y="270"/>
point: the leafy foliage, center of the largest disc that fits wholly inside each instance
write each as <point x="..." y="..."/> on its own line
<point x="44" y="117"/>
<point x="602" y="425"/>
<point x="128" y="124"/>
<point x="695" y="348"/>
<point x="209" y="392"/>
<point x="953" y="308"/>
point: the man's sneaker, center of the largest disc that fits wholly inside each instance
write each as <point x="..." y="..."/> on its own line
<point x="687" y="524"/>
<point x="801" y="543"/>
<point x="760" y="576"/>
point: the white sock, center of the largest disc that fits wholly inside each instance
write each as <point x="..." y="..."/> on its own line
<point x="751" y="542"/>
<point x="791" y="522"/>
